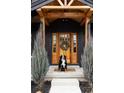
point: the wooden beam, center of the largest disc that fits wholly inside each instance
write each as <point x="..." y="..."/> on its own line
<point x="83" y="21"/>
<point x="60" y="2"/>
<point x="65" y="7"/>
<point x="43" y="30"/>
<point x="65" y="2"/>
<point x="42" y="14"/>
<point x="91" y="9"/>
<point x="65" y="15"/>
<point x="70" y="2"/>
<point x="88" y="14"/>
<point x="41" y="34"/>
<point x="89" y="31"/>
<point x="86" y="31"/>
<point x="46" y="21"/>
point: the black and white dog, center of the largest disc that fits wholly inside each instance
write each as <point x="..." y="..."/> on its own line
<point x="62" y="63"/>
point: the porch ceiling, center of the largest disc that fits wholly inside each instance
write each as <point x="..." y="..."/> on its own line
<point x="51" y="15"/>
<point x="52" y="11"/>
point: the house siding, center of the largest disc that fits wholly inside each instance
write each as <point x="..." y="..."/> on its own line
<point x="34" y="31"/>
<point x="48" y="44"/>
<point x="81" y="42"/>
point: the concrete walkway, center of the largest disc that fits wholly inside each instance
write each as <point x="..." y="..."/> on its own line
<point x="65" y="81"/>
<point x="65" y="86"/>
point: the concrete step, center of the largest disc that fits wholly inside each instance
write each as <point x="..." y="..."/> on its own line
<point x="76" y="74"/>
<point x="51" y="78"/>
<point x="65" y="82"/>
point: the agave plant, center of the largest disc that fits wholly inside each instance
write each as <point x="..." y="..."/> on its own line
<point x="39" y="63"/>
<point x="87" y="61"/>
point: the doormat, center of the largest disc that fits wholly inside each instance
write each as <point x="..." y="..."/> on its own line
<point x="68" y="70"/>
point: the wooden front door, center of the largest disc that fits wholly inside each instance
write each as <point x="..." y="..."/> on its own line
<point x="64" y="44"/>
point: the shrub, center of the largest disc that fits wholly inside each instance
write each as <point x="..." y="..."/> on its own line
<point x="39" y="63"/>
<point x="87" y="61"/>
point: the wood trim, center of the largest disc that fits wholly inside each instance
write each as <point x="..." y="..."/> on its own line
<point x="65" y="7"/>
<point x="73" y="56"/>
<point x="57" y="45"/>
<point x="55" y="54"/>
<point x="65" y="15"/>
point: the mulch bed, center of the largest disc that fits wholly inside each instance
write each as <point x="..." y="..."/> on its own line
<point x="46" y="87"/>
<point x="85" y="87"/>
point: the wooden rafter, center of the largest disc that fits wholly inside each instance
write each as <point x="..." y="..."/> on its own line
<point x="65" y="2"/>
<point x="71" y="1"/>
<point x="60" y="2"/>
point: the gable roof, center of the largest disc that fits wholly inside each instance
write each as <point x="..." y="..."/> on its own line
<point x="87" y="2"/>
<point x="35" y="4"/>
<point x="39" y="3"/>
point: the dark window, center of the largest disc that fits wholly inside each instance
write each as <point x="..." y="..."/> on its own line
<point x="54" y="42"/>
<point x="74" y="42"/>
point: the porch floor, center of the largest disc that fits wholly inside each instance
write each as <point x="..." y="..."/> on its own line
<point x="75" y="73"/>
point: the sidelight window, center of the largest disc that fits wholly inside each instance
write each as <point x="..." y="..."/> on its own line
<point x="54" y="42"/>
<point x="74" y="42"/>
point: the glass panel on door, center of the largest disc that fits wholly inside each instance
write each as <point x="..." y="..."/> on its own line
<point x="74" y="48"/>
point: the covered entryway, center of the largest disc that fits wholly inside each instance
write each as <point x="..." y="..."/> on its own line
<point x="64" y="29"/>
<point x="65" y="37"/>
<point x="64" y="25"/>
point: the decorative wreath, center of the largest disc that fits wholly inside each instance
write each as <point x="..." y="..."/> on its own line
<point x="64" y="45"/>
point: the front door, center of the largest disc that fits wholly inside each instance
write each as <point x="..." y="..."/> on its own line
<point x="64" y="44"/>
